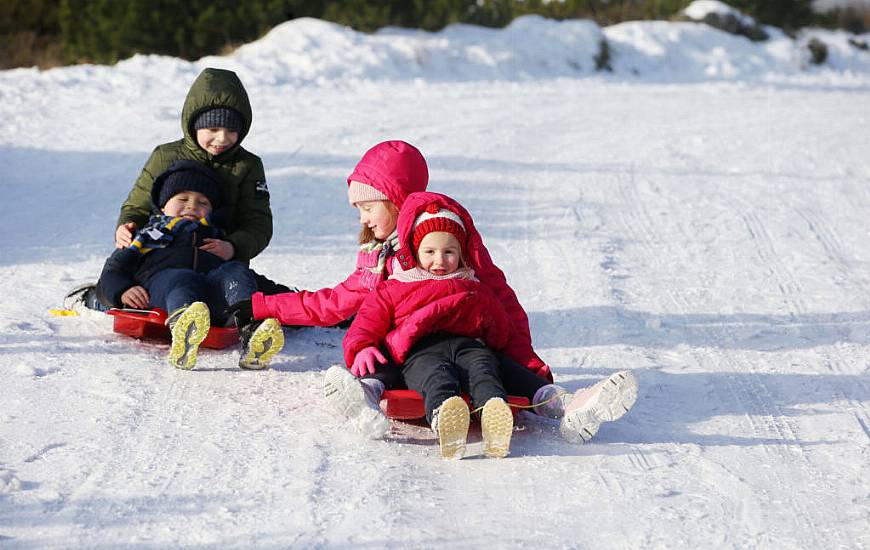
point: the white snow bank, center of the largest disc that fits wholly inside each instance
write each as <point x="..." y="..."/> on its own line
<point x="699" y="9"/>
<point x="309" y="51"/>
<point x="842" y="47"/>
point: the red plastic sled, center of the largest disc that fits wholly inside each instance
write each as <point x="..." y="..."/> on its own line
<point x="151" y="324"/>
<point x="408" y="404"/>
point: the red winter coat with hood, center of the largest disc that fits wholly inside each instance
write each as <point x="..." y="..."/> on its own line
<point x="394" y="168"/>
<point x="518" y="344"/>
<point x="397" y="314"/>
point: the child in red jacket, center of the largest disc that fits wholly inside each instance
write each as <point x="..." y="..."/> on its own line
<point x="436" y="320"/>
<point x="520" y="370"/>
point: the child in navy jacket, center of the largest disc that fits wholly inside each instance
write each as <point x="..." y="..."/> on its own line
<point x="167" y="266"/>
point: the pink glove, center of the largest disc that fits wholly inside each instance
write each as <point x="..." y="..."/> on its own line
<point x="365" y="361"/>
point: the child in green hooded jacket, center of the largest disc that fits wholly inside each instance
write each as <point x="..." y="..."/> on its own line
<point x="215" y="119"/>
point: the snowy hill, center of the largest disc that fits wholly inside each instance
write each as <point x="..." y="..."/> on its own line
<point x="697" y="214"/>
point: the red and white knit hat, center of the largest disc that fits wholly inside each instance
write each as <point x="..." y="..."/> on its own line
<point x="361" y="192"/>
<point x="435" y="219"/>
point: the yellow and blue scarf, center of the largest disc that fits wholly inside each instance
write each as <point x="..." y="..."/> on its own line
<point x="160" y="231"/>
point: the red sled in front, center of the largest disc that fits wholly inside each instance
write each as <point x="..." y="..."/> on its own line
<point x="150" y="324"/>
<point x="408" y="404"/>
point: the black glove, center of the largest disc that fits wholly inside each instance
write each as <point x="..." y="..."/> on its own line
<point x="243" y="311"/>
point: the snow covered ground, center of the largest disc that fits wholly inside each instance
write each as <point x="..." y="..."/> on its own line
<point x="699" y="216"/>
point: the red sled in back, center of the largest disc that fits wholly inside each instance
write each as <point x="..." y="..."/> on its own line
<point x="408" y="404"/>
<point x="150" y="324"/>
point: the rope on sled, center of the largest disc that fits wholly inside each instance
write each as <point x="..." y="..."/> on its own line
<point x="515" y="406"/>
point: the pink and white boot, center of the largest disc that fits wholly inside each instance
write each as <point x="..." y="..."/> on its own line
<point x="605" y="401"/>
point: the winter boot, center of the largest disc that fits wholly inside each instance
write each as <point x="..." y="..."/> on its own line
<point x="450" y="421"/>
<point x="261" y="341"/>
<point x="189" y="326"/>
<point x="497" y="426"/>
<point x="356" y="400"/>
<point x="550" y="401"/>
<point x="83" y="297"/>
<point x="605" y="401"/>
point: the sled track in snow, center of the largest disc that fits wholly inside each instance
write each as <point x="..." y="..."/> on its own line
<point x="826" y="236"/>
<point x="765" y="250"/>
<point x="833" y="247"/>
<point x="147" y="449"/>
<point x="639" y="460"/>
<point x="765" y="418"/>
<point x="836" y="253"/>
<point x="792" y="291"/>
<point x="165" y="461"/>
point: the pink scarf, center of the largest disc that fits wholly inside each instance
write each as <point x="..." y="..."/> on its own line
<point x="418" y="274"/>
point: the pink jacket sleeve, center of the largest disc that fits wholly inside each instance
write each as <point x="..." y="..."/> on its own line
<point x="321" y="308"/>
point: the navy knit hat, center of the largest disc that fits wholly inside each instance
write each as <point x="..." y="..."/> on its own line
<point x="220" y="117"/>
<point x="186" y="175"/>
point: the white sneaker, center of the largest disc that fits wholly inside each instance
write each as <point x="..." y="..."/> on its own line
<point x="357" y="402"/>
<point x="606" y="401"/>
<point x="450" y="421"/>
<point x="496" y="426"/>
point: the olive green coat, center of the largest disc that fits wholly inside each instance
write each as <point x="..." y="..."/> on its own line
<point x="243" y="191"/>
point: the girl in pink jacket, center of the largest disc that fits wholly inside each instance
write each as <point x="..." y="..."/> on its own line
<point x="379" y="185"/>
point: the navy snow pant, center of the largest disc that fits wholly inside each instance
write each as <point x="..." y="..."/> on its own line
<point x="171" y="289"/>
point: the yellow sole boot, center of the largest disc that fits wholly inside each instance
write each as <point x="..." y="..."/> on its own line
<point x="452" y="427"/>
<point x="265" y="343"/>
<point x="189" y="329"/>
<point x="496" y="426"/>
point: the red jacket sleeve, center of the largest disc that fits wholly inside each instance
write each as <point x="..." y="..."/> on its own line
<point x="370" y="326"/>
<point x="519" y="345"/>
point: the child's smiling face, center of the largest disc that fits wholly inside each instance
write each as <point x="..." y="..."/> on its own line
<point x="216" y="140"/>
<point x="379" y="216"/>
<point x="191" y="205"/>
<point x="439" y="253"/>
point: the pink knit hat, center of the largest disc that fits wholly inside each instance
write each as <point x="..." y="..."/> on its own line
<point x="361" y="192"/>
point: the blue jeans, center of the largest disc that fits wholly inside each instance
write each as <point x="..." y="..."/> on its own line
<point x="171" y="289"/>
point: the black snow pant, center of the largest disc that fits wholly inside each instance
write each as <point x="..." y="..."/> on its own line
<point x="517" y="379"/>
<point x="440" y="366"/>
<point x="389" y="374"/>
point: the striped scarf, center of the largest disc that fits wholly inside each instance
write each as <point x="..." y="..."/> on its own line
<point x="160" y="231"/>
<point x="385" y="249"/>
